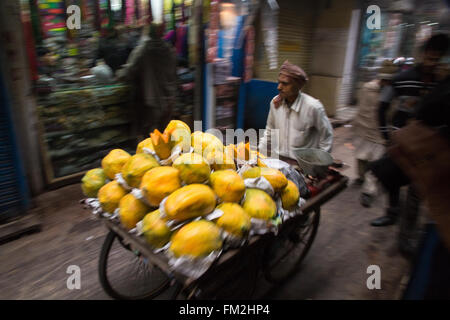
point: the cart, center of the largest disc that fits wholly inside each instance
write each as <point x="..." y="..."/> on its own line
<point x="129" y="269"/>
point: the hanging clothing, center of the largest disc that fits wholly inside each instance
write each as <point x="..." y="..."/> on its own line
<point x="181" y="41"/>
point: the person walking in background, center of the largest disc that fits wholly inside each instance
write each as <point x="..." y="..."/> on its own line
<point x="368" y="142"/>
<point x="408" y="88"/>
<point x="114" y="49"/>
<point x="151" y="70"/>
<point x="425" y="159"/>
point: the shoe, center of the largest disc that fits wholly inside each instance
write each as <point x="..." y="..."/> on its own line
<point x="366" y="200"/>
<point x="383" y="221"/>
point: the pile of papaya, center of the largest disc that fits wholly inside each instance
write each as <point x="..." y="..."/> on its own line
<point x="187" y="186"/>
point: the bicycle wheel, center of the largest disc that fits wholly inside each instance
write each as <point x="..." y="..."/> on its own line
<point x="282" y="257"/>
<point x="125" y="274"/>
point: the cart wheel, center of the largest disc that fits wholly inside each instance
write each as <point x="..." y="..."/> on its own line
<point x="283" y="256"/>
<point x="125" y="274"/>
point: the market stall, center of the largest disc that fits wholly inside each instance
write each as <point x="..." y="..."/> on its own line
<point x="78" y="126"/>
<point x="242" y="265"/>
<point x="185" y="208"/>
<point x="224" y="63"/>
<point x="182" y="33"/>
<point x="81" y="106"/>
<point x="76" y="93"/>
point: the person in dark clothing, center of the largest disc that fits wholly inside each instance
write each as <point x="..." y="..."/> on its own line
<point x="151" y="71"/>
<point x="113" y="49"/>
<point x="435" y="111"/>
<point x="430" y="278"/>
<point x="408" y="88"/>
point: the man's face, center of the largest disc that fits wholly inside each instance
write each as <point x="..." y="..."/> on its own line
<point x="288" y="87"/>
<point x="431" y="60"/>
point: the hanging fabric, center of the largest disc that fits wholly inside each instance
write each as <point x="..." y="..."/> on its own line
<point x="269" y="21"/>
<point x="129" y="16"/>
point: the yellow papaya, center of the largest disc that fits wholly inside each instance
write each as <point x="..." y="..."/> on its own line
<point x="161" y="143"/>
<point x="136" y="167"/>
<point x="290" y="196"/>
<point x="251" y="173"/>
<point x="228" y="185"/>
<point x="260" y="162"/>
<point x="243" y="151"/>
<point x="220" y="161"/>
<point x="258" y="204"/>
<point x="158" y="183"/>
<point x="234" y="219"/>
<point x="204" y="143"/>
<point x="109" y="196"/>
<point x="177" y="124"/>
<point x="259" y="157"/>
<point x="132" y="211"/>
<point x="147" y="143"/>
<point x="197" y="142"/>
<point x="231" y="150"/>
<point x="155" y="230"/>
<point x="114" y="161"/>
<point x="180" y="134"/>
<point x="92" y="181"/>
<point x="275" y="177"/>
<point x="196" y="239"/>
<point x="190" y="201"/>
<point x="193" y="168"/>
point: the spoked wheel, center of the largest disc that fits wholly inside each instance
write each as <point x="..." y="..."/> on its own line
<point x="282" y="257"/>
<point x="125" y="274"/>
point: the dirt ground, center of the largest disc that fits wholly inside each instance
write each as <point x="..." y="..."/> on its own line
<point x="34" y="266"/>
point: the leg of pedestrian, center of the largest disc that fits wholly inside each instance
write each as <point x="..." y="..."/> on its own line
<point x="369" y="189"/>
<point x="408" y="223"/>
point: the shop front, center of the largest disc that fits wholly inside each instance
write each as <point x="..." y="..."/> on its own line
<point x="81" y="109"/>
<point x="246" y="41"/>
<point x="317" y="36"/>
<point x="405" y="26"/>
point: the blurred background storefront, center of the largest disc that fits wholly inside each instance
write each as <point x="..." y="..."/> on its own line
<point x="319" y="36"/>
<point x="77" y="109"/>
<point x="67" y="110"/>
<point x="405" y="26"/>
<point x="330" y="40"/>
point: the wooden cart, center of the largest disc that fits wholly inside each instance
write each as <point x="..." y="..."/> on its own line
<point x="129" y="269"/>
